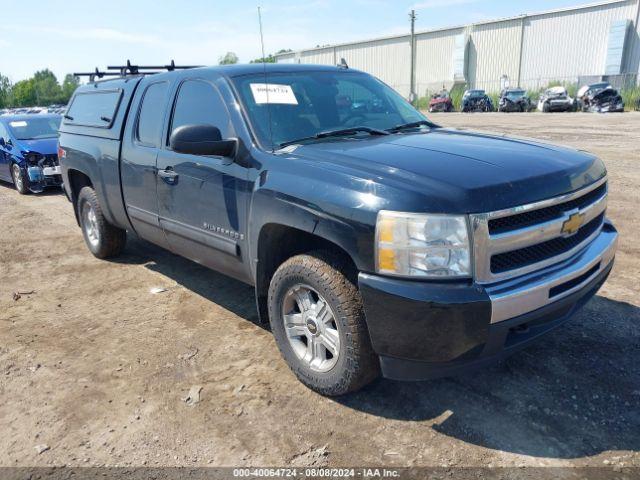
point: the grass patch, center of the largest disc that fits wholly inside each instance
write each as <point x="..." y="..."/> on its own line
<point x="631" y="97"/>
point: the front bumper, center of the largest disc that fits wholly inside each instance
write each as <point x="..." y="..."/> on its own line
<point x="560" y="106"/>
<point x="439" y="107"/>
<point x="423" y="330"/>
<point x="43" y="177"/>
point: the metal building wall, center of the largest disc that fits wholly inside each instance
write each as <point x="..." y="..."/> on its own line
<point x="532" y="49"/>
<point x="633" y="55"/>
<point x="387" y="59"/>
<point x="322" y="56"/>
<point x="494" y="50"/>
<point x="569" y="44"/>
<point x="434" y="60"/>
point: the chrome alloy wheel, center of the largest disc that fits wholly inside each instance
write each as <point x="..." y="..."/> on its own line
<point x="311" y="328"/>
<point x="17" y="177"/>
<point x="90" y="224"/>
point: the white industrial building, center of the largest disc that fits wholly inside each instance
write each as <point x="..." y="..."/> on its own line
<point x="579" y="44"/>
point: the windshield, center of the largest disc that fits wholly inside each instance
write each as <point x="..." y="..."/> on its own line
<point x="304" y="104"/>
<point x="35" y="128"/>
<point x="515" y="94"/>
<point x="476" y="93"/>
<point x="556" y="93"/>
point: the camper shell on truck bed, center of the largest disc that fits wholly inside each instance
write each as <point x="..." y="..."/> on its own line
<point x="376" y="240"/>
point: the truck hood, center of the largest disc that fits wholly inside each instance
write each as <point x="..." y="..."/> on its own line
<point x="45" y="146"/>
<point x="458" y="170"/>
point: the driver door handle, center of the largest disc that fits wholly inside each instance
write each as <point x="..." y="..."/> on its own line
<point x="168" y="175"/>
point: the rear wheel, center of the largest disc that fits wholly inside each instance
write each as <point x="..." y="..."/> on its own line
<point x="19" y="180"/>
<point x="318" y="322"/>
<point x="103" y="239"/>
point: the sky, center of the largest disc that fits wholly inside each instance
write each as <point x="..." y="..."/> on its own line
<point x="71" y="35"/>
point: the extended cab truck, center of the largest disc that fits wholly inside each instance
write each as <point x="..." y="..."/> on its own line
<point x="377" y="241"/>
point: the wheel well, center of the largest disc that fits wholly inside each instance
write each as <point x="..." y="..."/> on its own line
<point x="77" y="180"/>
<point x="277" y="243"/>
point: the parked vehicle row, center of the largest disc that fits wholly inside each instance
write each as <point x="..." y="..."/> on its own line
<point x="599" y="97"/>
<point x="55" y="109"/>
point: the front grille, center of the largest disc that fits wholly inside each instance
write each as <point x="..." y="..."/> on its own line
<point x="534" y="217"/>
<point x="515" y="259"/>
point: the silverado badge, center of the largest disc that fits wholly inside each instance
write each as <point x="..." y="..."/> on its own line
<point x="572" y="224"/>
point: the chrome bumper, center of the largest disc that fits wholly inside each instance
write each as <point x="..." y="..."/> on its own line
<point x="527" y="293"/>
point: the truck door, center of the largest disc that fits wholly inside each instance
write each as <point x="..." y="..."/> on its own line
<point x="140" y="145"/>
<point x="202" y="199"/>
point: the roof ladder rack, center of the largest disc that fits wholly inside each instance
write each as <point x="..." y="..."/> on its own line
<point x="129" y="69"/>
<point x="95" y="74"/>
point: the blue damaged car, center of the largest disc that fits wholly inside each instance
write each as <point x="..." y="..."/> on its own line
<point x="29" y="152"/>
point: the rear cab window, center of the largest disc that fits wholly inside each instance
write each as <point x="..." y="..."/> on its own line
<point x="99" y="109"/>
<point x="94" y="109"/>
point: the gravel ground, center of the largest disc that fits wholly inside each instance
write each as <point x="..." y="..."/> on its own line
<point x="97" y="370"/>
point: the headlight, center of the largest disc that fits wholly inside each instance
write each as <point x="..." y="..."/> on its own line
<point x="422" y="245"/>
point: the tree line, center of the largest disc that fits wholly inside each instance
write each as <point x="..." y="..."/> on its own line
<point x="43" y="89"/>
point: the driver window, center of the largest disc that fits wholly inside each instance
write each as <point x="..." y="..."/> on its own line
<point x="198" y="103"/>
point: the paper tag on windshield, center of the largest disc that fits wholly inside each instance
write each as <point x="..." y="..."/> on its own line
<point x="273" y="93"/>
<point x="18" y="123"/>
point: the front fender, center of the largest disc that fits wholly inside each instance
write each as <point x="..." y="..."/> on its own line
<point x="329" y="210"/>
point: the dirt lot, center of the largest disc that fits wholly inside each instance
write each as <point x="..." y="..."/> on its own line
<point x="97" y="368"/>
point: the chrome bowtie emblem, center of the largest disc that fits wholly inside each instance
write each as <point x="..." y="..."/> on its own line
<point x="573" y="224"/>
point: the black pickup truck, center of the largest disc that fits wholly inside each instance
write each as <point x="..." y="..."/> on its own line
<point x="377" y="241"/>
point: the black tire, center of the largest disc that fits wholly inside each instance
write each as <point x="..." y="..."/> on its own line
<point x="356" y="364"/>
<point x="546" y="108"/>
<point x="109" y="241"/>
<point x="21" y="183"/>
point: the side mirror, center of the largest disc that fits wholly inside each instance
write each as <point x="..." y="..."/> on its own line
<point x="201" y="140"/>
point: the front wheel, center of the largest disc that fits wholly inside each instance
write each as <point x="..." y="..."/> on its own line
<point x="317" y="319"/>
<point x="19" y="180"/>
<point x="103" y="239"/>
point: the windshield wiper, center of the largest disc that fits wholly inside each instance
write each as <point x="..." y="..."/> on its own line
<point x="337" y="133"/>
<point x="408" y="126"/>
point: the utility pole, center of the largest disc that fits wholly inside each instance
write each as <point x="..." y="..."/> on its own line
<point x="412" y="93"/>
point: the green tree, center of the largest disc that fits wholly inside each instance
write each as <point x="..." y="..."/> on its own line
<point x="5" y="91"/>
<point x="24" y="93"/>
<point x="228" y="59"/>
<point x="47" y="88"/>
<point x="271" y="58"/>
<point x="69" y="86"/>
